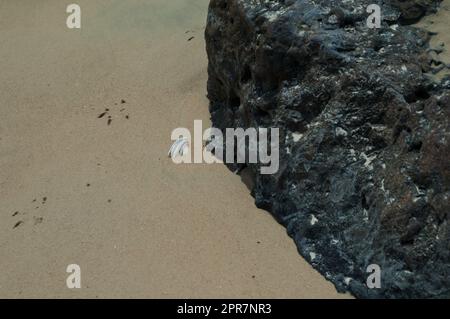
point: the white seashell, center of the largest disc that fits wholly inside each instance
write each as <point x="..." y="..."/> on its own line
<point x="314" y="220"/>
<point x="179" y="147"/>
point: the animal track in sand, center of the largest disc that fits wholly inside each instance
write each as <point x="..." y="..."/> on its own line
<point x="109" y="114"/>
<point x="191" y="37"/>
<point x="22" y="215"/>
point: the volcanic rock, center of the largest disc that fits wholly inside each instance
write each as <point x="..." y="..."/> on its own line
<point x="364" y="134"/>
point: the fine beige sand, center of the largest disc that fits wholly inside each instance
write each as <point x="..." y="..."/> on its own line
<point x="75" y="190"/>
<point x="439" y="24"/>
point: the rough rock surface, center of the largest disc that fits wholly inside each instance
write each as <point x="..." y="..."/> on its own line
<point x="364" y="149"/>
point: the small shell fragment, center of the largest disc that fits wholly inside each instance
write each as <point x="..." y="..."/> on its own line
<point x="179" y="147"/>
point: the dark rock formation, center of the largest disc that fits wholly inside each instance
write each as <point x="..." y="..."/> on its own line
<point x="364" y="150"/>
<point x="413" y="10"/>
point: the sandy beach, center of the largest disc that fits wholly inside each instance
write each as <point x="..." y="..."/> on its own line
<point x="75" y="190"/>
<point x="438" y="24"/>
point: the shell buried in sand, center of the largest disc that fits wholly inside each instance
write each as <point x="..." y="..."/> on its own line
<point x="179" y="147"/>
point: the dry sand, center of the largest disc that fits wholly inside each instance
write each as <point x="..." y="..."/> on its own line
<point x="439" y="23"/>
<point x="137" y="224"/>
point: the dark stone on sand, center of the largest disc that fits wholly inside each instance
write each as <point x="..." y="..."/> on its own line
<point x="364" y="134"/>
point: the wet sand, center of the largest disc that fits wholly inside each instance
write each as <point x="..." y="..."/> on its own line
<point x="74" y="189"/>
